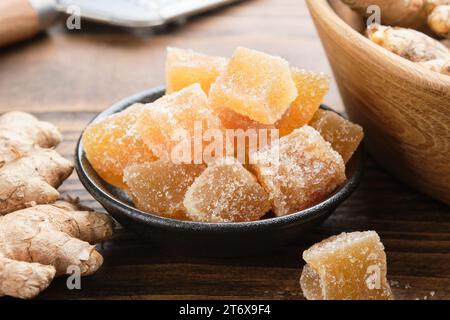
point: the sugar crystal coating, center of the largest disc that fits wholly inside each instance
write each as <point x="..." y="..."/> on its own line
<point x="350" y="266"/>
<point x="114" y="143"/>
<point x="186" y="67"/>
<point x="343" y="135"/>
<point x="256" y="85"/>
<point x="312" y="88"/>
<point x="179" y="120"/>
<point x="226" y="192"/>
<point x="240" y="129"/>
<point x="298" y="171"/>
<point x="159" y="187"/>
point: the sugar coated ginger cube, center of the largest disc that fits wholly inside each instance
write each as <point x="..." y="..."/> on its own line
<point x="343" y="135"/>
<point x="226" y="192"/>
<point x="173" y="126"/>
<point x="114" y="143"/>
<point x="186" y="67"/>
<point x="350" y="266"/>
<point x="298" y="171"/>
<point x="256" y="85"/>
<point x="312" y="88"/>
<point x="159" y="187"/>
<point x="245" y="134"/>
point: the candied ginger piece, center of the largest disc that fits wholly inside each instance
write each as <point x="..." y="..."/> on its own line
<point x="239" y="129"/>
<point x="186" y="67"/>
<point x="174" y="125"/>
<point x="159" y="187"/>
<point x="298" y="171"/>
<point x="246" y="135"/>
<point x="256" y="85"/>
<point x="344" y="136"/>
<point x="114" y="143"/>
<point x="226" y="192"/>
<point x="349" y="266"/>
<point x="312" y="88"/>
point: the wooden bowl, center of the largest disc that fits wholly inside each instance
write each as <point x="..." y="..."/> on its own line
<point x="404" y="109"/>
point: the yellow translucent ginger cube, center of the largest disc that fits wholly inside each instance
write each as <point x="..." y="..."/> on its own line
<point x="114" y="143"/>
<point x="173" y="126"/>
<point x="186" y="67"/>
<point x="298" y="171"/>
<point x="349" y="266"/>
<point x="344" y="136"/>
<point x="256" y="85"/>
<point x="312" y="88"/>
<point x="226" y="192"/>
<point x="159" y="187"/>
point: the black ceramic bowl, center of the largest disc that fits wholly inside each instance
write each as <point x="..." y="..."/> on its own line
<point x="205" y="238"/>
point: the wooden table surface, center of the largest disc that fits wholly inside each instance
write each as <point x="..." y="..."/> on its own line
<point x="68" y="77"/>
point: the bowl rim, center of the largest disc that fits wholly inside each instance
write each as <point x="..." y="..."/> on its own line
<point x="397" y="64"/>
<point x="311" y="213"/>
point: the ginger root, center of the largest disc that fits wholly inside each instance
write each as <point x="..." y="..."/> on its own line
<point x="408" y="14"/>
<point x="438" y="65"/>
<point x="408" y="43"/>
<point x="32" y="179"/>
<point x="20" y="132"/>
<point x="40" y="242"/>
<point x="30" y="172"/>
<point x="439" y="20"/>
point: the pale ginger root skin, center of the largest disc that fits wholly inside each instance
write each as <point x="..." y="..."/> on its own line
<point x="408" y="43"/>
<point x="409" y="14"/>
<point x="32" y="179"/>
<point x="439" y="20"/>
<point x="40" y="242"/>
<point x="439" y="65"/>
<point x="20" y="132"/>
<point x="24" y="280"/>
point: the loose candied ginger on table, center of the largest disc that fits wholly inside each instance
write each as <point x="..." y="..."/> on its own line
<point x="350" y="266"/>
<point x="298" y="171"/>
<point x="186" y="67"/>
<point x="226" y="192"/>
<point x="312" y="88"/>
<point x="159" y="187"/>
<point x="343" y="135"/>
<point x="113" y="143"/>
<point x="256" y="85"/>
<point x="174" y="121"/>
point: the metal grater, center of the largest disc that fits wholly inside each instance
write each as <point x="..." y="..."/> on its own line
<point x="125" y="13"/>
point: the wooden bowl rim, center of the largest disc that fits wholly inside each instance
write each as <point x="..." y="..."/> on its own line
<point x="403" y="67"/>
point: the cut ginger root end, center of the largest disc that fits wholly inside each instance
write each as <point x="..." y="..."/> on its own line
<point x="159" y="187"/>
<point x="43" y="241"/>
<point x="350" y="266"/>
<point x="343" y="135"/>
<point x="255" y="85"/>
<point x="312" y="88"/>
<point x="186" y="67"/>
<point x="113" y="144"/>
<point x="226" y="192"/>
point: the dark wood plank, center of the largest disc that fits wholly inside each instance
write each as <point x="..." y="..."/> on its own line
<point x="68" y="78"/>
